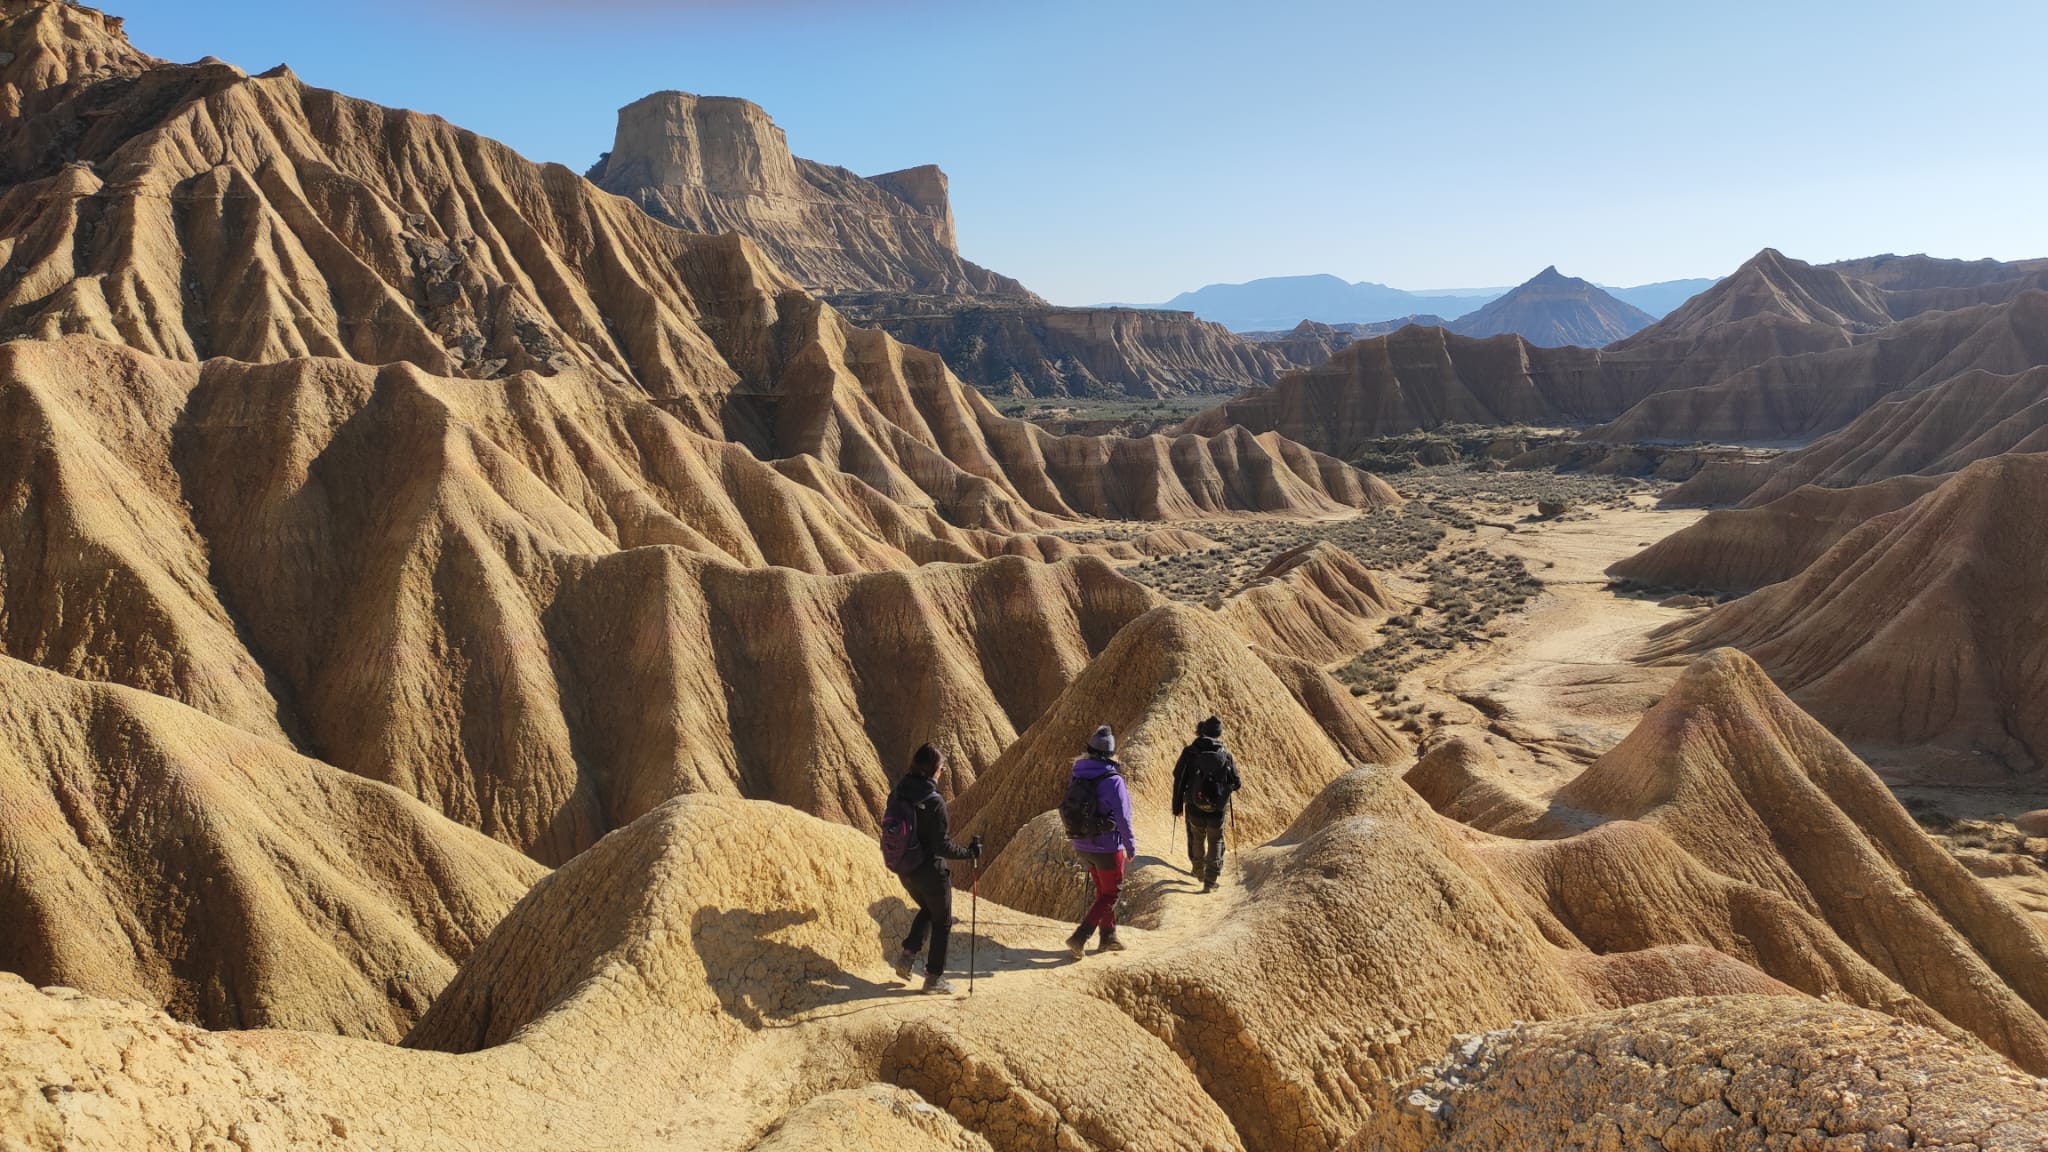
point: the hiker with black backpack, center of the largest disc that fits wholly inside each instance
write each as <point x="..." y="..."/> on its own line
<point x="1203" y="780"/>
<point x="916" y="848"/>
<point x="1097" y="815"/>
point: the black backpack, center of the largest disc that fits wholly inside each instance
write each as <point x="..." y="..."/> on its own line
<point x="1081" y="811"/>
<point x="1208" y="788"/>
<point x="901" y="850"/>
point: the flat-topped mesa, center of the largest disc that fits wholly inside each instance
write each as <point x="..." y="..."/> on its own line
<point x="719" y="164"/>
<point x="884" y="251"/>
<point x="720" y="146"/>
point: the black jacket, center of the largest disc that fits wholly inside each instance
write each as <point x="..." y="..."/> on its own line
<point x="922" y="795"/>
<point x="1184" y="771"/>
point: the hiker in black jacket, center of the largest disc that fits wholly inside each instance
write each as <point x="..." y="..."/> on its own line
<point x="1203" y="780"/>
<point x="928" y="883"/>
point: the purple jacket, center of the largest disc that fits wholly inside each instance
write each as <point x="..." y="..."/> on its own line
<point x="1112" y="797"/>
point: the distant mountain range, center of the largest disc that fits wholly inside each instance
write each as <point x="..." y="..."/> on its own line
<point x="1550" y="310"/>
<point x="1281" y="302"/>
<point x="1779" y="351"/>
<point x="1278" y="303"/>
<point x="1663" y="297"/>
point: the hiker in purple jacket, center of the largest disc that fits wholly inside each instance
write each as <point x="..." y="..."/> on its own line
<point x="1105" y="841"/>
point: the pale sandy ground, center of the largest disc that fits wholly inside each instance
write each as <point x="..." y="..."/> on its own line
<point x="1557" y="689"/>
<point x="1551" y="693"/>
<point x="1558" y="678"/>
<point x="1015" y="957"/>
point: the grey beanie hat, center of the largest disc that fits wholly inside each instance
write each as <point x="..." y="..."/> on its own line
<point x="1104" y="741"/>
<point x="1212" y="727"/>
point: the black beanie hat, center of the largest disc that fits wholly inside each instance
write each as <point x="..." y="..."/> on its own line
<point x="1212" y="728"/>
<point x="926" y="759"/>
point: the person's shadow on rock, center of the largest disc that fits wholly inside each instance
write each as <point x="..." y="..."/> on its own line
<point x="761" y="981"/>
<point x="894" y="914"/>
<point x="1148" y="879"/>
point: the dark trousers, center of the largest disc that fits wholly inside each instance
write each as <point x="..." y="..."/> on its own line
<point x="1205" y="846"/>
<point x="934" y="895"/>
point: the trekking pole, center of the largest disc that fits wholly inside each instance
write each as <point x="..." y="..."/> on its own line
<point x="973" y="920"/>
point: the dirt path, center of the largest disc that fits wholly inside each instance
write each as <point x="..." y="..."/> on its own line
<point x="1558" y="689"/>
<point x="1554" y="689"/>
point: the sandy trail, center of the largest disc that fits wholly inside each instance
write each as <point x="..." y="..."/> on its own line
<point x="1552" y="691"/>
<point x="1557" y="689"/>
<point x="1020" y="963"/>
<point x="1560" y="687"/>
<point x="1559" y="681"/>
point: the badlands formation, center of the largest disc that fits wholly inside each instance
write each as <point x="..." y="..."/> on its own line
<point x="883" y="250"/>
<point x="459" y="627"/>
<point x="718" y="164"/>
<point x="1921" y="626"/>
<point x="1779" y="350"/>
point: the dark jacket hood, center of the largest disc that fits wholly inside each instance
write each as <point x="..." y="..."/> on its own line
<point x="915" y="788"/>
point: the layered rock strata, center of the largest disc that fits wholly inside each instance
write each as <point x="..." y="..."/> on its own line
<point x="1920" y="627"/>
<point x="1780" y="350"/>
<point x="720" y="165"/>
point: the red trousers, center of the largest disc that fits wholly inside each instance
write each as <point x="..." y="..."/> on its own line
<point x="1107" y="870"/>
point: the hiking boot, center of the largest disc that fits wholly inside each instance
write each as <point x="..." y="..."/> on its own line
<point x="1078" y="942"/>
<point x="906" y="963"/>
<point x="1109" y="944"/>
<point x="1209" y="885"/>
<point x="939" y="986"/>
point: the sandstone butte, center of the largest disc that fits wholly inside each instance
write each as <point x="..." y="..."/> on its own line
<point x="717" y="164"/>
<point x="1779" y="350"/>
<point x="462" y="575"/>
<point x="443" y="604"/>
<point x="883" y="250"/>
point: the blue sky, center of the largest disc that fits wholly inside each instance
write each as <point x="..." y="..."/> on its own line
<point x="1114" y="150"/>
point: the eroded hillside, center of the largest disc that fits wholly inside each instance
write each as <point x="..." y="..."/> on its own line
<point x="1780" y="350"/>
<point x="459" y="632"/>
